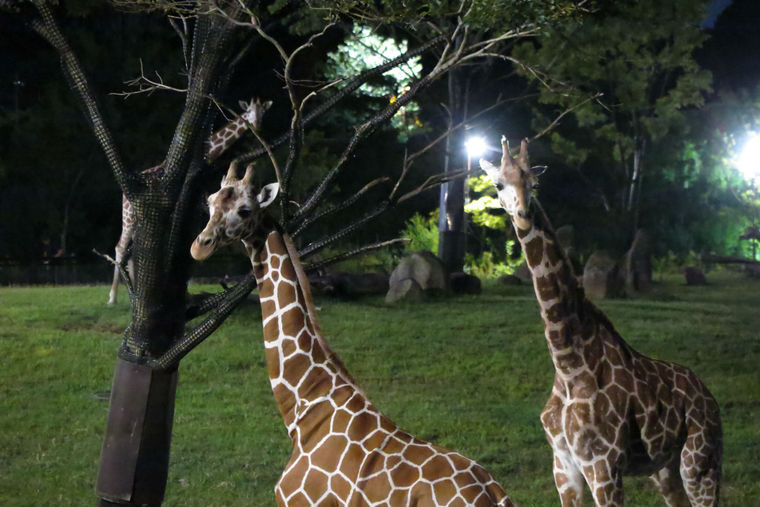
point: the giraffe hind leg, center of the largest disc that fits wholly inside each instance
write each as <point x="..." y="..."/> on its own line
<point x="700" y="474"/>
<point x="668" y="482"/>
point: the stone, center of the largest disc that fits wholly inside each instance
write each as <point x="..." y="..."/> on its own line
<point x="405" y="290"/>
<point x="638" y="263"/>
<point x="424" y="268"/>
<point x="694" y="276"/>
<point x="603" y="276"/>
<point x="509" y="280"/>
<point x="464" y="283"/>
<point x="523" y="273"/>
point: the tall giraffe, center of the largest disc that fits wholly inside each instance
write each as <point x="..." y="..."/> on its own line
<point x="345" y="452"/>
<point x="252" y="115"/>
<point x="612" y="411"/>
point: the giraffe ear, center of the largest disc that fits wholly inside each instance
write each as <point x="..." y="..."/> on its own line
<point x="267" y="104"/>
<point x="243" y="105"/>
<point x="267" y="194"/>
<point x="488" y="167"/>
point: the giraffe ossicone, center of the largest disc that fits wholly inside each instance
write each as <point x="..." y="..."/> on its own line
<point x="344" y="450"/>
<point x="218" y="143"/>
<point x="612" y="410"/>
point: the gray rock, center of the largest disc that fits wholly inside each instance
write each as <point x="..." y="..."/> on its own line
<point x="424" y="268"/>
<point x="603" y="276"/>
<point x="405" y="290"/>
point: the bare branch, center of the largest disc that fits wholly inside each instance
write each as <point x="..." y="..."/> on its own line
<point x="563" y="113"/>
<point x="230" y="299"/>
<point x="355" y="252"/>
<point x="122" y="267"/>
<point x="146" y="85"/>
<point x="48" y="29"/>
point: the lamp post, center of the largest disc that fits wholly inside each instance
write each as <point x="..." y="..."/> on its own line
<point x="748" y="163"/>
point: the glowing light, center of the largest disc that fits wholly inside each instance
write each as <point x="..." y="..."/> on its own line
<point x="748" y="161"/>
<point x="475" y="146"/>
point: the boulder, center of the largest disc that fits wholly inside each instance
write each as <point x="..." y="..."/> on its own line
<point x="694" y="276"/>
<point x="405" y="290"/>
<point x="509" y="280"/>
<point x="463" y="283"/>
<point x="523" y="273"/>
<point x="424" y="268"/>
<point x="638" y="263"/>
<point x="603" y="276"/>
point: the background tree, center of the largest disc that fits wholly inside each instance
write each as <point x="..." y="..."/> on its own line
<point x="628" y="73"/>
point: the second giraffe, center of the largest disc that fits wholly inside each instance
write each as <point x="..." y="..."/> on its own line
<point x="612" y="411"/>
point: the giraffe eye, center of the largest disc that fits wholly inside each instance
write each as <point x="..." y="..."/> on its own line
<point x="499" y="187"/>
<point x="244" y="212"/>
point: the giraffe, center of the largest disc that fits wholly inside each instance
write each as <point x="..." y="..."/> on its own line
<point x="252" y="115"/>
<point x="344" y="450"/>
<point x="612" y="411"/>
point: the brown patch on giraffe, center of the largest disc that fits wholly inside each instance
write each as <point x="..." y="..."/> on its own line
<point x="340" y="486"/>
<point x="417" y="453"/>
<point x="318" y="353"/>
<point x="271" y="330"/>
<point x="404" y="475"/>
<point x="314" y="425"/>
<point x="354" y="454"/>
<point x="268" y="307"/>
<point x="361" y="425"/>
<point x="393" y="446"/>
<point x="471" y="493"/>
<point x="286" y="293"/>
<point x="341" y="419"/>
<point x="457" y="502"/>
<point x="299" y="499"/>
<point x="377" y="488"/>
<point x="375" y="440"/>
<point x="356" y="403"/>
<point x="304" y="341"/>
<point x="273" y="362"/>
<point x="288" y="347"/>
<point x="292" y="321"/>
<point x="315" y="485"/>
<point x="327" y="456"/>
<point x="295" y="367"/>
<point x="547" y="288"/>
<point x="292" y="479"/>
<point x="316" y="384"/>
<point x="341" y="394"/>
<point x="438" y="466"/>
<point x="399" y="497"/>
<point x="534" y="252"/>
<point x="443" y="490"/>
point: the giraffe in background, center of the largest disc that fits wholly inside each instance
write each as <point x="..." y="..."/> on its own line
<point x="252" y="115"/>
<point x="612" y="411"/>
<point x="345" y="451"/>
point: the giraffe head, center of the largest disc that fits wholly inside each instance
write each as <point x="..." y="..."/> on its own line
<point x="514" y="181"/>
<point x="253" y="112"/>
<point x="235" y="212"/>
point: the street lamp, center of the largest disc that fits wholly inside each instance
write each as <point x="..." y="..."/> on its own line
<point x="475" y="147"/>
<point x="748" y="161"/>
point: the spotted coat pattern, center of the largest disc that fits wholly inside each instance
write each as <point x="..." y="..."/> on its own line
<point x="344" y="450"/>
<point x="612" y="411"/>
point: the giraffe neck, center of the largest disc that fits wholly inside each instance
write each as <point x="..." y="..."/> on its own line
<point x="224" y="137"/>
<point x="303" y="372"/>
<point x="564" y="308"/>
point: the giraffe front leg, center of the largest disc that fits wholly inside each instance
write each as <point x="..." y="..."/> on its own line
<point x="115" y="284"/>
<point x="568" y="479"/>
<point x="605" y="481"/>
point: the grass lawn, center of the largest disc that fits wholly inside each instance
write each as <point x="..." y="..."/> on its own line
<point x="469" y="372"/>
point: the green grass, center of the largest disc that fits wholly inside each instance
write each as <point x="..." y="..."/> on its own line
<point x="469" y="372"/>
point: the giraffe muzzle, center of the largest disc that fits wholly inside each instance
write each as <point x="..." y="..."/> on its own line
<point x="202" y="248"/>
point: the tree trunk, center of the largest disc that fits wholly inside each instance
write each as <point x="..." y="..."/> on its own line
<point x="451" y="219"/>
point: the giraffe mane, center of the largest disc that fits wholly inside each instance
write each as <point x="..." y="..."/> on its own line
<point x="303" y="281"/>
